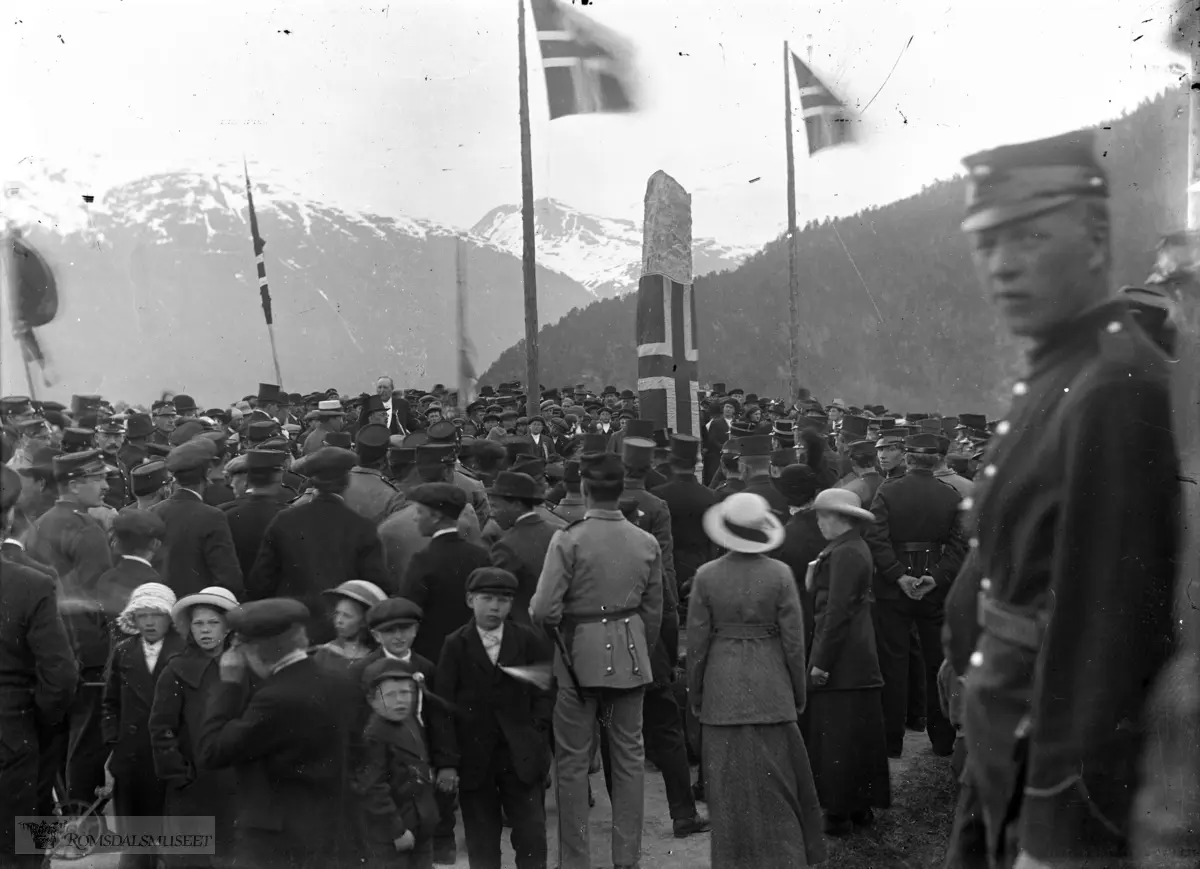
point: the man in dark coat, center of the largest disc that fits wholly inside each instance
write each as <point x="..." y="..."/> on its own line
<point x="687" y="500"/>
<point x="109" y="438"/>
<point x="522" y="548"/>
<point x="1077" y="515"/>
<point x="38" y="677"/>
<point x="265" y="496"/>
<point x="637" y="455"/>
<point x="917" y="548"/>
<point x="65" y="537"/>
<point x="288" y="742"/>
<point x="317" y="546"/>
<point x="754" y="457"/>
<point x="197" y="550"/>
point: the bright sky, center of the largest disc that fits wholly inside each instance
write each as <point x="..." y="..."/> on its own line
<point x="410" y="106"/>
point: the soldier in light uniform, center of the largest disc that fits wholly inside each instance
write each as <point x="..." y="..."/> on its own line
<point x="1077" y="508"/>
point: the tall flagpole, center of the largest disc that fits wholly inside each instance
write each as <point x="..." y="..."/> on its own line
<point x="261" y="263"/>
<point x="532" y="378"/>
<point x="793" y="288"/>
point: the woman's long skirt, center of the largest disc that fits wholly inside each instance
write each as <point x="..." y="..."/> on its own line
<point x="847" y="748"/>
<point x="761" y="798"/>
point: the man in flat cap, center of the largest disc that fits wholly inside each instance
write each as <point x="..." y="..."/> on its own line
<point x="288" y="741"/>
<point x="65" y="537"/>
<point x="1076" y="565"/>
<point x="521" y="548"/>
<point x="197" y="550"/>
<point x="601" y="591"/>
<point x="317" y="546"/>
<point x="264" y="496"/>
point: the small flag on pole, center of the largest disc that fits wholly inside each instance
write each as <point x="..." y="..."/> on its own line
<point x="259" y="244"/>
<point x="589" y="68"/>
<point x="825" y="120"/>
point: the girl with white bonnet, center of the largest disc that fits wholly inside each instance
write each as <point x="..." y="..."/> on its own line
<point x="846" y="740"/>
<point x="746" y="683"/>
<point x="137" y="662"/>
<point x="180" y="700"/>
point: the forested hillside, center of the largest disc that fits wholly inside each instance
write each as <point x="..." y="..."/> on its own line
<point x="890" y="308"/>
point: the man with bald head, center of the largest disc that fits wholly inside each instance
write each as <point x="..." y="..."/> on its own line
<point x="400" y="418"/>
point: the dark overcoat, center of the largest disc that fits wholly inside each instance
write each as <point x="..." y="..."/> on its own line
<point x="248" y="518"/>
<point x="843" y="638"/>
<point x="436" y="580"/>
<point x="197" y="551"/>
<point x="522" y="552"/>
<point x="687" y="501"/>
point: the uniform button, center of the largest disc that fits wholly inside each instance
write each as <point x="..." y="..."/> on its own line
<point x="1113" y="328"/>
<point x="989" y="471"/>
<point x="1003" y="427"/>
<point x="610" y="669"/>
<point x="966" y="503"/>
<point x="603" y="621"/>
<point x="626" y="621"/>
<point x="977" y="659"/>
<point x="631" y="647"/>
<point x="973" y="543"/>
<point x="1020" y="388"/>
<point x="985" y="584"/>
<point x="608" y="645"/>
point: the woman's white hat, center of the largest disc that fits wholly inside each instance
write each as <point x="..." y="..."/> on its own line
<point x="147" y="597"/>
<point x="841" y="501"/>
<point x="366" y="593"/>
<point x="215" y="596"/>
<point x="743" y="522"/>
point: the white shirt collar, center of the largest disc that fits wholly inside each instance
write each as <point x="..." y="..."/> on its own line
<point x="15" y="542"/>
<point x="289" y="659"/>
<point x="138" y="558"/>
<point x="444" y="531"/>
<point x="406" y="657"/>
<point x="149" y="645"/>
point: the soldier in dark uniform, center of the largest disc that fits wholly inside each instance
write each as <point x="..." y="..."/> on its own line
<point x="109" y="438"/>
<point x="755" y="462"/>
<point x="1077" y="510"/>
<point x="66" y="538"/>
<point x="889" y="455"/>
<point x="38" y="676"/>
<point x="917" y="549"/>
<point x="163" y="415"/>
<point x="687" y="500"/>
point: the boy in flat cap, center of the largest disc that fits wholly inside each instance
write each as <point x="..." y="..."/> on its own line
<point x="498" y="756"/>
<point x="1076" y="607"/>
<point x="314" y="547"/>
<point x="288" y="741"/>
<point x="65" y="537"/>
<point x="197" y="549"/>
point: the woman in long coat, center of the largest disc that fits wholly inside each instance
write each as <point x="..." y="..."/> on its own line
<point x="747" y="686"/>
<point x="845" y="733"/>
<point x="180" y="700"/>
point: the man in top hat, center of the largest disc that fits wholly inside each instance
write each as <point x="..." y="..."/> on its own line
<point x="197" y="549"/>
<point x="329" y="416"/>
<point x="267" y="403"/>
<point x="1076" y="608"/>
<point x="370" y="494"/>
<point x="264" y="497"/>
<point x="686" y="501"/>
<point x="313" y="547"/>
<point x="754" y="459"/>
<point x="65" y="537"/>
<point x="163" y="415"/>
<point x="525" y="538"/>
<point x="288" y="741"/>
<point x="601" y="591"/>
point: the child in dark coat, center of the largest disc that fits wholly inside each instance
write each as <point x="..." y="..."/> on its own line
<point x="493" y="671"/>
<point x="395" y="780"/>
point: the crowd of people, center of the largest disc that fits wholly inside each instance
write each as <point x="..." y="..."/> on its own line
<point x="339" y="626"/>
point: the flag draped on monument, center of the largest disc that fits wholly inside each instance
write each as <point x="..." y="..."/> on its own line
<point x="666" y="310"/>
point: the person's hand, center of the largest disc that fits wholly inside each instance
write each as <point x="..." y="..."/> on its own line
<point x="924" y="585"/>
<point x="908" y="585"/>
<point x="819" y="676"/>
<point x="405" y="842"/>
<point x="447" y="780"/>
<point x="233" y="665"/>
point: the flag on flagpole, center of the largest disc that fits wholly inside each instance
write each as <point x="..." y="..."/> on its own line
<point x="33" y="298"/>
<point x="259" y="244"/>
<point x="826" y="122"/>
<point x="589" y="68"/>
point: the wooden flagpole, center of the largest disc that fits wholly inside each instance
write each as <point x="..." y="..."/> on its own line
<point x="793" y="287"/>
<point x="532" y="378"/>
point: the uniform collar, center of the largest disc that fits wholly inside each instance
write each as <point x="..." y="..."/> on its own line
<point x="531" y="514"/>
<point x="196" y="495"/>
<point x="597" y="513"/>
<point x="1069" y="337"/>
<point x="15" y="542"/>
<point x="138" y="558"/>
<point x="437" y="534"/>
<point x="571" y="500"/>
<point x="406" y="657"/>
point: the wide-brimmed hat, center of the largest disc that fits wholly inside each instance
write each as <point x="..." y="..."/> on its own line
<point x="518" y="486"/>
<point x="841" y="501"/>
<point x="214" y="596"/>
<point x="366" y="593"/>
<point x="149" y="596"/>
<point x="743" y="522"/>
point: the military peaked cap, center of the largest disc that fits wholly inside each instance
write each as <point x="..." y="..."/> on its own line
<point x="71" y="466"/>
<point x="140" y="523"/>
<point x="190" y="456"/>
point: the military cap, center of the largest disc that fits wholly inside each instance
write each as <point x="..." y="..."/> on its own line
<point x="886" y="424"/>
<point x="889" y="439"/>
<point x="16" y="405"/>
<point x="263" y="619"/>
<point x="399" y="457"/>
<point x="75" y="439"/>
<point x="371" y="436"/>
<point x="139" y="523"/>
<point x="515" y="485"/>
<point x="442" y="431"/>
<point x="601" y="468"/>
<point x="974" y="421"/>
<point x="163" y="408"/>
<point x="943" y="444"/>
<point x="160" y="451"/>
<point x="593" y="443"/>
<point x="237" y="465"/>
<point x="755" y="445"/>
<point x="72" y="466"/>
<point x="191" y="456"/>
<point x="494" y="580"/>
<point x="732" y="446"/>
<point x="685" y="450"/>
<point x="184" y="403"/>
<point x="741" y="428"/>
<point x="1017" y="182"/>
<point x="394" y="611"/>
<point x="429" y="455"/>
<point x="924" y="443"/>
<point x="326" y="462"/>
<point x="854" y="427"/>
<point x="261" y="429"/>
<point x="81" y="404"/>
<point x="861" y="448"/>
<point x="291" y="398"/>
<point x="949" y="425"/>
<point x="637" y="452"/>
<point x="340" y="439"/>
<point x="10" y="487"/>
<point x="263" y="460"/>
<point x="509" y="414"/>
<point x="785" y="427"/>
<point x="447" y="498"/>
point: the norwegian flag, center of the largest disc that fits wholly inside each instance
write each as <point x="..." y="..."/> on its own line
<point x="667" y="356"/>
<point x="825" y="121"/>
<point x="589" y="68"/>
<point x="263" y="292"/>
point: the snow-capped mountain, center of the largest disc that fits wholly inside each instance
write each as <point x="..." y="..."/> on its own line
<point x="602" y="253"/>
<point x="158" y="290"/>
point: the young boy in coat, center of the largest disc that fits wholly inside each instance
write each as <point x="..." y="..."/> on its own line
<point x="133" y="670"/>
<point x="498" y="746"/>
<point x="395" y="781"/>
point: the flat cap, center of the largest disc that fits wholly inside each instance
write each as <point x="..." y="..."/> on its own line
<point x="149" y="476"/>
<point x="263" y="619"/>
<point x="326" y="462"/>
<point x="141" y="523"/>
<point x="191" y="456"/>
<point x="389" y="668"/>
<point x="446" y="498"/>
<point x="496" y="580"/>
<point x="1017" y="182"/>
<point x="72" y="466"/>
<point x="442" y="431"/>
<point x="237" y="465"/>
<point x="394" y="611"/>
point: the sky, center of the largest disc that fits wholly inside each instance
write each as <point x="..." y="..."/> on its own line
<point x="409" y="107"/>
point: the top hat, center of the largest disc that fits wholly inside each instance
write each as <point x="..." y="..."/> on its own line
<point x="269" y="393"/>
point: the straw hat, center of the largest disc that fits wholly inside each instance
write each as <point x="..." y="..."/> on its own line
<point x="841" y="501"/>
<point x="214" y="596"/>
<point x="743" y="522"/>
<point x="366" y="593"/>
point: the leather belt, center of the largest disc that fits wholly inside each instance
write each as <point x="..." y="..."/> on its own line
<point x="1019" y="629"/>
<point x="745" y="631"/>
